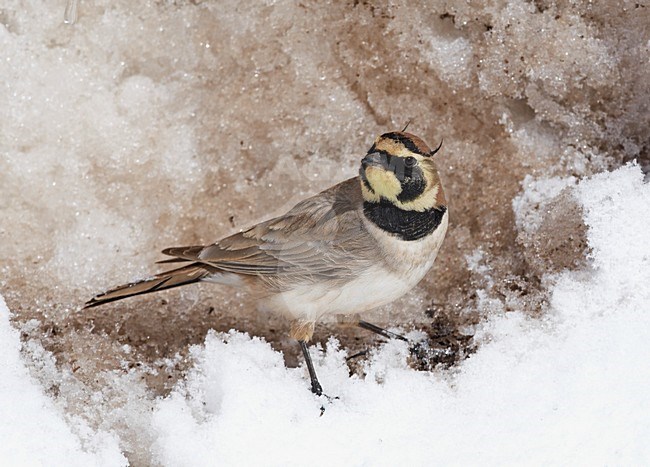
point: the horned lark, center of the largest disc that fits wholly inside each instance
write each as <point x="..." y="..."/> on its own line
<point x="355" y="246"/>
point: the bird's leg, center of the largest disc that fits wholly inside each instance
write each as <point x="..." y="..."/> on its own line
<point x="362" y="353"/>
<point x="316" y="388"/>
<point x="355" y="320"/>
<point x="302" y="331"/>
<point x="381" y="331"/>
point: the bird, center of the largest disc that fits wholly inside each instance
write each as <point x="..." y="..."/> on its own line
<point x="355" y="246"/>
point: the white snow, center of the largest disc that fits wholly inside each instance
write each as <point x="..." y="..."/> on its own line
<point x="33" y="430"/>
<point x="569" y="388"/>
<point x="158" y="123"/>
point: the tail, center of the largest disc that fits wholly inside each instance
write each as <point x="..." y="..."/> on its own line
<point x="166" y="280"/>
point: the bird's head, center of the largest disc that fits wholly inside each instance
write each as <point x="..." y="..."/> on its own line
<point x="399" y="168"/>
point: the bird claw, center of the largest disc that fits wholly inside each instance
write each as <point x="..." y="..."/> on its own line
<point x="330" y="401"/>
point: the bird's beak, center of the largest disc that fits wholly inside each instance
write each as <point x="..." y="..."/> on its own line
<point x="374" y="158"/>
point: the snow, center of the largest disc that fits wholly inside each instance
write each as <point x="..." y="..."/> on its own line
<point x="34" y="431"/>
<point x="569" y="388"/>
<point x="151" y="124"/>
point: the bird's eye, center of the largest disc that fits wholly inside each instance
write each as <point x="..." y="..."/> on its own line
<point x="410" y="161"/>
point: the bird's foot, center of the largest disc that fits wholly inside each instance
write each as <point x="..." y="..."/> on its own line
<point x="329" y="401"/>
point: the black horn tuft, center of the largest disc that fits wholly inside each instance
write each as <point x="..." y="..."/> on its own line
<point x="436" y="149"/>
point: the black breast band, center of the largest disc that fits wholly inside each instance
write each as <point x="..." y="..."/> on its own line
<point x="407" y="225"/>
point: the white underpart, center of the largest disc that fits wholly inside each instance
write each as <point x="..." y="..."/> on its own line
<point x="409" y="262"/>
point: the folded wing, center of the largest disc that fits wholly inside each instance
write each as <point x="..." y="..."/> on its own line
<point x="321" y="237"/>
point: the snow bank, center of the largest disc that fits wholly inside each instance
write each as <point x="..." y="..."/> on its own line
<point x="33" y="430"/>
<point x="151" y="124"/>
<point x="570" y="388"/>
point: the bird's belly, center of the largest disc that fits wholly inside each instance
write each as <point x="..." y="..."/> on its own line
<point x="380" y="284"/>
<point x="375" y="287"/>
<point x="314" y="302"/>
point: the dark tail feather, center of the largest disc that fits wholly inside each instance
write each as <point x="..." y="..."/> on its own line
<point x="182" y="254"/>
<point x="173" y="260"/>
<point x="162" y="281"/>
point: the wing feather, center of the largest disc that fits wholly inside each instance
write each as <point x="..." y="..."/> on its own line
<point x="321" y="237"/>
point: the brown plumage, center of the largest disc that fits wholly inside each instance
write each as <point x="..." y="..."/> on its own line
<point x="166" y="280"/>
<point x="276" y="255"/>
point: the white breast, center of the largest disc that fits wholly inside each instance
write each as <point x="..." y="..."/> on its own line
<point x="404" y="264"/>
